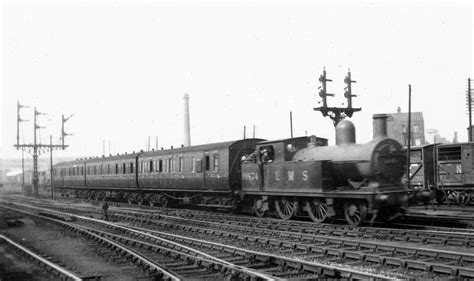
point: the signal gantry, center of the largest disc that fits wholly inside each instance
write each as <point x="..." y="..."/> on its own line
<point x="36" y="148"/>
<point x="336" y="113"/>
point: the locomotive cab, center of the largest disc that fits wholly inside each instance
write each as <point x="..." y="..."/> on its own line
<point x="284" y="150"/>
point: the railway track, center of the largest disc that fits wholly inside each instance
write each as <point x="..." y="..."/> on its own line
<point x="441" y="236"/>
<point x="342" y="248"/>
<point x="264" y="266"/>
<point x="46" y="263"/>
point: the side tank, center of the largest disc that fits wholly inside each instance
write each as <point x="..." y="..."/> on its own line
<point x="381" y="159"/>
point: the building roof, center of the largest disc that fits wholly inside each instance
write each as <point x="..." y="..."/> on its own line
<point x="403" y="116"/>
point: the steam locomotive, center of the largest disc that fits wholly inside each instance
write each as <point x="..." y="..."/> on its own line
<point x="300" y="176"/>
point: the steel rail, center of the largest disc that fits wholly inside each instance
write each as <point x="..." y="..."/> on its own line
<point x="150" y="264"/>
<point x="145" y="232"/>
<point x="62" y="271"/>
<point x="216" y="260"/>
<point x="324" y="266"/>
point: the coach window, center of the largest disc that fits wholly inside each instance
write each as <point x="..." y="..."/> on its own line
<point x="171" y="165"/>
<point x="215" y="162"/>
<point x="207" y="163"/>
<point x="181" y="164"/>
<point x="160" y="166"/>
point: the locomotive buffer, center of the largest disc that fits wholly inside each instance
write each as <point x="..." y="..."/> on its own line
<point x="336" y="113"/>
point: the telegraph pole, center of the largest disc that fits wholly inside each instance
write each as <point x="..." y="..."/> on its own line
<point x="336" y="113"/>
<point x="291" y="124"/>
<point x="51" y="164"/>
<point x="36" y="148"/>
<point x="23" y="171"/>
<point x="469" y="108"/>
<point x="409" y="136"/>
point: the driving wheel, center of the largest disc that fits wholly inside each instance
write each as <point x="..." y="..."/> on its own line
<point x="462" y="198"/>
<point x="285" y="208"/>
<point x="317" y="210"/>
<point x="355" y="212"/>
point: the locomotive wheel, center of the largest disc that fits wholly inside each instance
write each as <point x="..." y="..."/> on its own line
<point x="441" y="196"/>
<point x="163" y="201"/>
<point x="92" y="195"/>
<point x="462" y="198"/>
<point x="153" y="200"/>
<point x="317" y="210"/>
<point x="260" y="208"/>
<point x="141" y="200"/>
<point x="285" y="208"/>
<point x="101" y="196"/>
<point x="355" y="212"/>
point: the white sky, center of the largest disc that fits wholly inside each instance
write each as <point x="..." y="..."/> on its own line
<point x="122" y="68"/>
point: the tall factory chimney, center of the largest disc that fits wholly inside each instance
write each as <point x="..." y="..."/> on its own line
<point x="187" y="130"/>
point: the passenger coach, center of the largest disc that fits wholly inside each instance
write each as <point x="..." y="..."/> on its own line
<point x="194" y="174"/>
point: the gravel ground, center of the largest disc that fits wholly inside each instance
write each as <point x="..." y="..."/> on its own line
<point x="73" y="251"/>
<point x="14" y="267"/>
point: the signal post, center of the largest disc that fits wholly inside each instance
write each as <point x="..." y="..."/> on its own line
<point x="336" y="113"/>
<point x="37" y="148"/>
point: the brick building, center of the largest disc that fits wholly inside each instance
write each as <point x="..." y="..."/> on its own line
<point x="397" y="124"/>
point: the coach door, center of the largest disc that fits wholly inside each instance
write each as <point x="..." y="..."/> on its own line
<point x="211" y="170"/>
<point x="467" y="158"/>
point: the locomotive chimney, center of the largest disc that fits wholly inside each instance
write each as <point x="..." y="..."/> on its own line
<point x="380" y="125"/>
<point x="187" y="130"/>
<point x="345" y="132"/>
